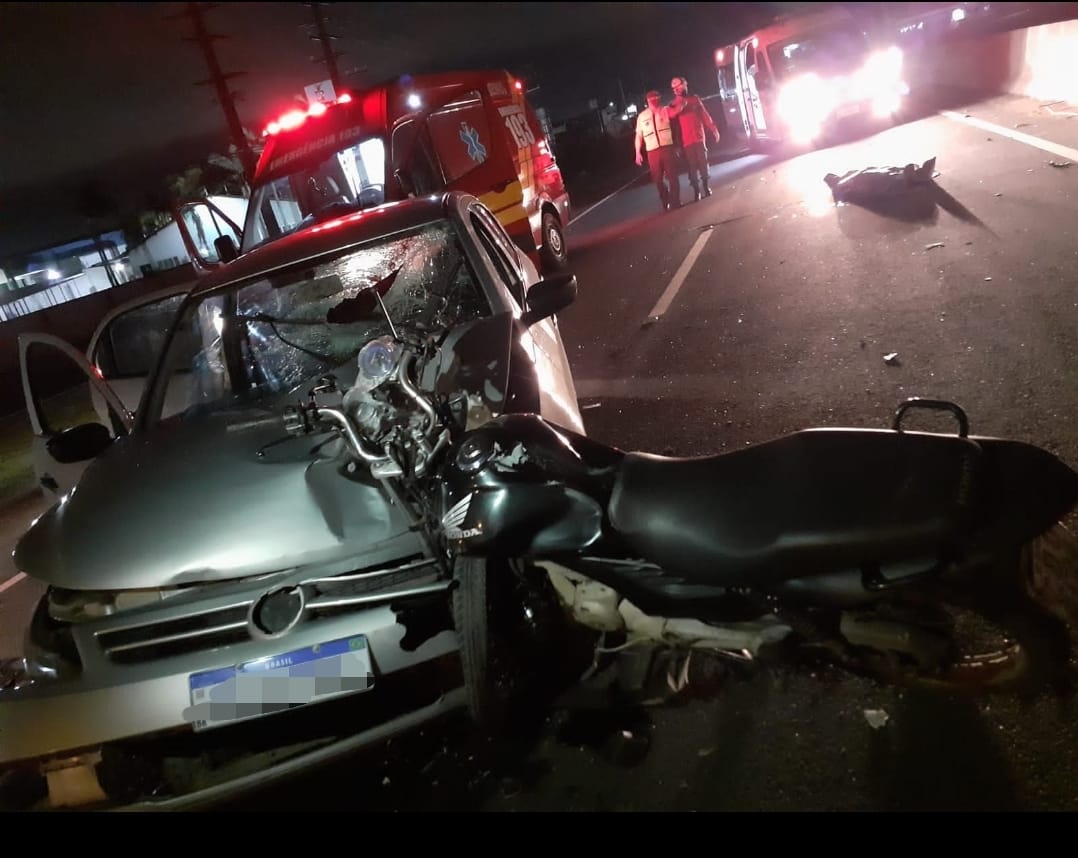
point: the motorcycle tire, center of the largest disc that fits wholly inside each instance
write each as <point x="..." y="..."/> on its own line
<point x="1003" y="640"/>
<point x="485" y="688"/>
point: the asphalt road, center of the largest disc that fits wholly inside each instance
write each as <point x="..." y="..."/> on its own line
<point x="759" y="311"/>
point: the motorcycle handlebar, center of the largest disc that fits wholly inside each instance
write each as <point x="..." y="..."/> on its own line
<point x="299" y="420"/>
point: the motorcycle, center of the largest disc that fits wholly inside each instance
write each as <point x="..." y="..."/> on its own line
<point x="903" y="555"/>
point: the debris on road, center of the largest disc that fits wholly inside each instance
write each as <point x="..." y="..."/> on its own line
<point x="934" y="245"/>
<point x="891" y="359"/>
<point x="997" y="195"/>
<point x="1061" y="163"/>
<point x="987" y="279"/>
<point x="877" y="718"/>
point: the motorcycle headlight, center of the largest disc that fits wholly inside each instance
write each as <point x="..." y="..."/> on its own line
<point x="378" y="361"/>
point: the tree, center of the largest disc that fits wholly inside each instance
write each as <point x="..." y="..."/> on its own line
<point x="100" y="212"/>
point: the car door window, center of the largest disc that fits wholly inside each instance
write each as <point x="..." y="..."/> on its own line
<point x="130" y="343"/>
<point x="414" y="163"/>
<point x="505" y="264"/>
<point x="60" y="391"/>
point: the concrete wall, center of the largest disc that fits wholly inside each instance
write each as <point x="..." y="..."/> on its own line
<point x="1040" y="62"/>
<point x="1047" y="64"/>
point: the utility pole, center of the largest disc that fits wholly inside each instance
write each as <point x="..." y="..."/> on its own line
<point x="219" y="80"/>
<point x="325" y="38"/>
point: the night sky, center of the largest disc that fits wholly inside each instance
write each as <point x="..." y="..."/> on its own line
<point x="104" y="94"/>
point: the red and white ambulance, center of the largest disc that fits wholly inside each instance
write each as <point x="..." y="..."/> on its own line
<point x="472" y="131"/>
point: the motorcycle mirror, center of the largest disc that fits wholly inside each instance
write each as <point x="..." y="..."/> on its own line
<point x="549" y="296"/>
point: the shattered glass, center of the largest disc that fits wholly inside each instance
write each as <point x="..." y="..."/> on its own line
<point x="268" y="336"/>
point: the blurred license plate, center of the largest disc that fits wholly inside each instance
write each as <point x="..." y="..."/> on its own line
<point x="279" y="683"/>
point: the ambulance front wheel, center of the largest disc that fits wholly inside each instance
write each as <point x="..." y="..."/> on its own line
<point x="554" y="255"/>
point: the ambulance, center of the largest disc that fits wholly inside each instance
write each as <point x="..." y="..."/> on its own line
<point x="810" y="73"/>
<point x="473" y="131"/>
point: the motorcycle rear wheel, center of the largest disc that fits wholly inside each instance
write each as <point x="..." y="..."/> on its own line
<point x="999" y="640"/>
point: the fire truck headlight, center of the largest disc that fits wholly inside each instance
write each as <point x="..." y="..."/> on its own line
<point x="414" y="102"/>
<point x="883" y="72"/>
<point x="804" y="104"/>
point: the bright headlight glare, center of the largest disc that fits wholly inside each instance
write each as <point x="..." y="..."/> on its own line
<point x="883" y="68"/>
<point x="806" y="101"/>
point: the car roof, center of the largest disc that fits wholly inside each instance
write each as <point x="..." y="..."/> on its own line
<point x="333" y="235"/>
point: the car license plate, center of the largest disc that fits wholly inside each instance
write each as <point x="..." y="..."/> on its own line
<point x="279" y="683"/>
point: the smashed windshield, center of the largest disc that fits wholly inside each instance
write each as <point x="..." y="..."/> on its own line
<point x="350" y="179"/>
<point x="837" y="50"/>
<point x="267" y="337"/>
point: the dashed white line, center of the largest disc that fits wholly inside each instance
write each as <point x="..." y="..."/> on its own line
<point x="603" y="200"/>
<point x="12" y="581"/>
<point x="668" y="296"/>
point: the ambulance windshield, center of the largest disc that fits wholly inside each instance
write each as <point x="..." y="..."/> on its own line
<point x="345" y="181"/>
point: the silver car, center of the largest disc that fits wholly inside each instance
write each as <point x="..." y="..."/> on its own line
<point x="221" y="590"/>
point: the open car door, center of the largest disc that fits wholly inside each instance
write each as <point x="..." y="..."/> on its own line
<point x="211" y="237"/>
<point x="104" y="389"/>
<point x="67" y="432"/>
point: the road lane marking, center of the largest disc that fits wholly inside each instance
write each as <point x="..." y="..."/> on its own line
<point x="12" y="581"/>
<point x="668" y="296"/>
<point x="1018" y="136"/>
<point x="603" y="200"/>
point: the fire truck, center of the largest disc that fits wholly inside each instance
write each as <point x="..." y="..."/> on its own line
<point x="473" y="131"/>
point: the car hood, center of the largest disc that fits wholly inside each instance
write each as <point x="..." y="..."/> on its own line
<point x="206" y="500"/>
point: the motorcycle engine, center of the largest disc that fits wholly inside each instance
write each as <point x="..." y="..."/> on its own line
<point x="384" y="404"/>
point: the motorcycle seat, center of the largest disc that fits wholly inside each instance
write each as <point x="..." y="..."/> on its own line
<point x="812" y="502"/>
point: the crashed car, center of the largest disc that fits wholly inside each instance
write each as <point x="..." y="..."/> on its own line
<point x="228" y="602"/>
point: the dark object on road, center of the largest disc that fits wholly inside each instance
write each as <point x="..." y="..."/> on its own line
<point x="871" y="183"/>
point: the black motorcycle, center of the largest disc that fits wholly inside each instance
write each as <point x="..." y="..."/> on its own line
<point x="906" y="555"/>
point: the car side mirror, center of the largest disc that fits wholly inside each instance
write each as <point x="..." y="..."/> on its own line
<point x="226" y="248"/>
<point x="550" y="296"/>
<point x="79" y="443"/>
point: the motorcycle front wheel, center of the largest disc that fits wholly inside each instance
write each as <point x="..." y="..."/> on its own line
<point x="479" y="656"/>
<point x="517" y="651"/>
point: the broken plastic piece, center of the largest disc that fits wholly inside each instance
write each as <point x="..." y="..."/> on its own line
<point x="1061" y="163"/>
<point x="934" y="244"/>
<point x="891" y="359"/>
<point x="877" y="718"/>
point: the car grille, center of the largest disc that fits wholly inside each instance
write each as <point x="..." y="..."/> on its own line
<point x="325" y="597"/>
